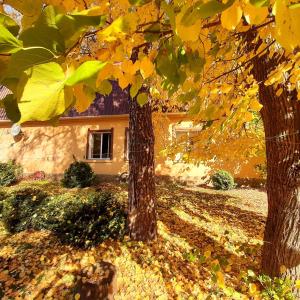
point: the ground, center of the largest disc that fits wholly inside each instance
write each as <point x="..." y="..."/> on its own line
<point x="208" y="241"/>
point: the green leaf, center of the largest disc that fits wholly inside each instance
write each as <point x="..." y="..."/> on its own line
<point x="260" y="3"/>
<point x="105" y="87"/>
<point x="196" y="62"/>
<point x="11" y="108"/>
<point x="44" y="96"/>
<point x="142" y="99"/>
<point x="204" y="10"/>
<point x="8" y="43"/>
<point x="169" y="10"/>
<point x="44" y="33"/>
<point x="136" y="86"/>
<point x="294" y="5"/>
<point x="71" y="27"/>
<point x="139" y="2"/>
<point x="87" y="73"/>
<point x="27" y="58"/>
<point x="152" y="33"/>
<point x="43" y="36"/>
<point x="48" y="17"/>
<point x="9" y="24"/>
<point x="3" y="66"/>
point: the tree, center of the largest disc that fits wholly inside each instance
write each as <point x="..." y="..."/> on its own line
<point x="223" y="59"/>
<point x="142" y="198"/>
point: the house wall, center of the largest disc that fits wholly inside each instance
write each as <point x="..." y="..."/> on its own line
<point x="51" y="149"/>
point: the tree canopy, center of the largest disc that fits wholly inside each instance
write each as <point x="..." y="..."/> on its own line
<point x="197" y="51"/>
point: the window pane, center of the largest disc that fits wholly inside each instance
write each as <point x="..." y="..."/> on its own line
<point x="106" y="145"/>
<point x="96" y="145"/>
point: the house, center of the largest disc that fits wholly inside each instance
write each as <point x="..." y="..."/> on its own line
<point x="99" y="136"/>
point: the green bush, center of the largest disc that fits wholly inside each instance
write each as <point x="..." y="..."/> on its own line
<point x="3" y="196"/>
<point x="79" y="174"/>
<point x="222" y="180"/>
<point x="20" y="207"/>
<point x="9" y="173"/>
<point x="82" y="219"/>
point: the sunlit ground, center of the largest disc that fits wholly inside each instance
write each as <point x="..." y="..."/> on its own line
<point x="207" y="242"/>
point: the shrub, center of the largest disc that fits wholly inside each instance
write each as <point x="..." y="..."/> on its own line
<point x="82" y="220"/>
<point x="3" y="196"/>
<point x="222" y="180"/>
<point x="20" y="207"/>
<point x="9" y="173"/>
<point x="79" y="174"/>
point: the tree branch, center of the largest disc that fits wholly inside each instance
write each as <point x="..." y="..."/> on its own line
<point x="240" y="66"/>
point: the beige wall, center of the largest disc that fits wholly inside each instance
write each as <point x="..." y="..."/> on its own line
<point x="51" y="149"/>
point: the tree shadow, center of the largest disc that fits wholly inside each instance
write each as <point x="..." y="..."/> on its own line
<point x="217" y="205"/>
<point x="173" y="265"/>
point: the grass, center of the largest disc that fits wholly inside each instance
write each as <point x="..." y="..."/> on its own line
<point x="207" y="242"/>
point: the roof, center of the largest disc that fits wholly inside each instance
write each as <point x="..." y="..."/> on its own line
<point x="3" y="93"/>
<point x="114" y="104"/>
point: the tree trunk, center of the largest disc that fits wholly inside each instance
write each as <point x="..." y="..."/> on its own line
<point x="141" y="190"/>
<point x="281" y="117"/>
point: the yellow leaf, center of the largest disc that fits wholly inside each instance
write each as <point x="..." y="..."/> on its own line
<point x="178" y="288"/>
<point x="248" y="116"/>
<point x="128" y="67"/>
<point x="187" y="33"/>
<point x="287" y="25"/>
<point x="146" y="67"/>
<point x="279" y="92"/>
<point x="162" y="297"/>
<point x="207" y="253"/>
<point x="228" y="268"/>
<point x="77" y="296"/>
<point x="252" y="288"/>
<point x="83" y="98"/>
<point x="220" y="279"/>
<point x="297" y="285"/>
<point x="255" y="15"/>
<point x="255" y="105"/>
<point x="231" y="17"/>
<point x="125" y="80"/>
<point x="282" y="269"/>
<point x="119" y="27"/>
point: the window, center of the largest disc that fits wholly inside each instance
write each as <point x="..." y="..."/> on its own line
<point x="187" y="137"/>
<point x="126" y="145"/>
<point x="100" y="144"/>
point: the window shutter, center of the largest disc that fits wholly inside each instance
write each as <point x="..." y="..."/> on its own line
<point x="126" y="150"/>
<point x="111" y="144"/>
<point x="88" y="144"/>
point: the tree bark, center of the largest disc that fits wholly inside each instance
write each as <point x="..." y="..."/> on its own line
<point x="281" y="118"/>
<point x="141" y="191"/>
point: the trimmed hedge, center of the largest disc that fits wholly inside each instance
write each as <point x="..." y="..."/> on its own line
<point x="83" y="219"/>
<point x="78" y="175"/>
<point x="223" y="180"/>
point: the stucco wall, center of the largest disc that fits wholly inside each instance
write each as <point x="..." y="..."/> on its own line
<point x="51" y="149"/>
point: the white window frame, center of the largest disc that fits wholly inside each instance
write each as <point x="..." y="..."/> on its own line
<point x="91" y="144"/>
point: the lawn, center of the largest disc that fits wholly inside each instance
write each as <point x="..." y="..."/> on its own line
<point x="208" y="241"/>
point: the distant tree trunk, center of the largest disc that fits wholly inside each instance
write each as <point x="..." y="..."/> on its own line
<point x="281" y="117"/>
<point x="141" y="190"/>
